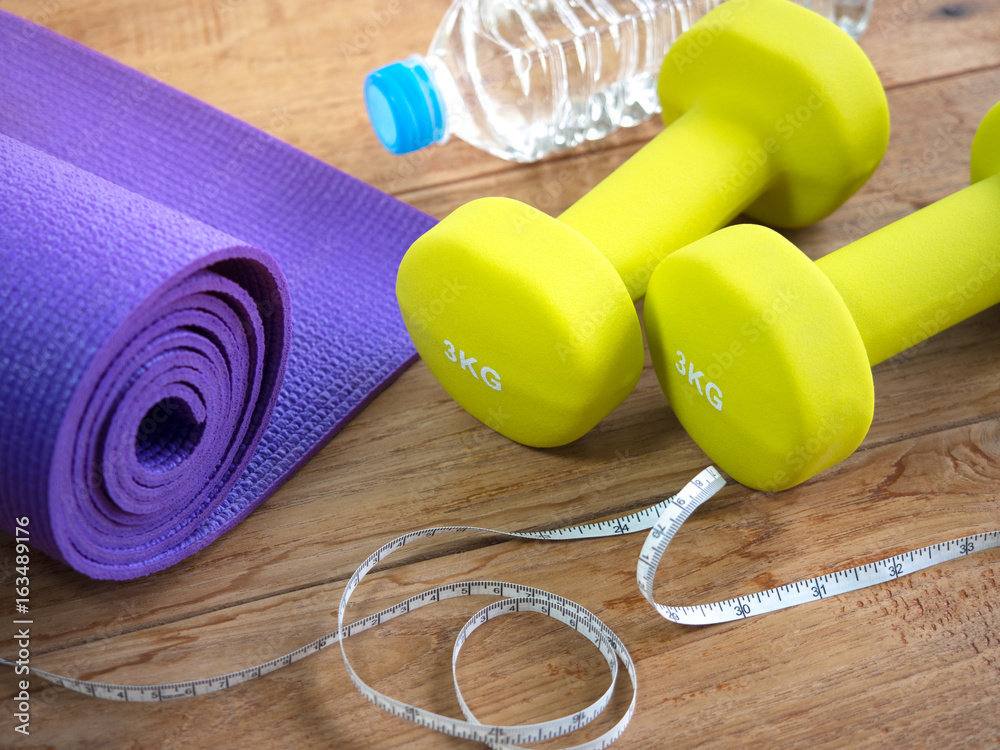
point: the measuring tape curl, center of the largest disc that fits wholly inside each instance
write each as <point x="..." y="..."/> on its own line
<point x="515" y="598"/>
<point x="663" y="520"/>
<point x="681" y="506"/>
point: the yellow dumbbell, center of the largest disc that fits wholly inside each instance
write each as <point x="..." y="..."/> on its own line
<point x="529" y="322"/>
<point x="766" y="357"/>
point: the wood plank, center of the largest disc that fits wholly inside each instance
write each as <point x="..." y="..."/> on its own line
<point x="918" y="40"/>
<point x="847" y="670"/>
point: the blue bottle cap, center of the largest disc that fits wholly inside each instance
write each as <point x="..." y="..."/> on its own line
<point x="405" y="106"/>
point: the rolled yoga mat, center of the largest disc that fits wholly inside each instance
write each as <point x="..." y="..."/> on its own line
<point x="190" y="308"/>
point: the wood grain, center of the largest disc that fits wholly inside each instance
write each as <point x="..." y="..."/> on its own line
<point x="914" y="663"/>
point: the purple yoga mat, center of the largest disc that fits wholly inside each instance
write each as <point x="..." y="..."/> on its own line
<point x="190" y="308"/>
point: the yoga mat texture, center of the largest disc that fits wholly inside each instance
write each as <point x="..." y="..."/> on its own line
<point x="190" y="308"/>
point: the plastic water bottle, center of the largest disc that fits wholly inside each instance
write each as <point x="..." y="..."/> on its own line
<point x="525" y="78"/>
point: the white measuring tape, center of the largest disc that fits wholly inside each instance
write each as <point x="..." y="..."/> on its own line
<point x="663" y="520"/>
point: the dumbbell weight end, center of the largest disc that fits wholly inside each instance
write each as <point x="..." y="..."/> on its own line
<point x="766" y="357"/>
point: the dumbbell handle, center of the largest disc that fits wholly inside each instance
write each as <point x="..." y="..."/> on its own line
<point x="923" y="273"/>
<point x="691" y="179"/>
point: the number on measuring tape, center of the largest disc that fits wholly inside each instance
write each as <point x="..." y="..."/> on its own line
<point x="663" y="520"/>
<point x="794" y="594"/>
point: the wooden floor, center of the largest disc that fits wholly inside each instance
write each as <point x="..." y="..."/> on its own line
<point x="915" y="663"/>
